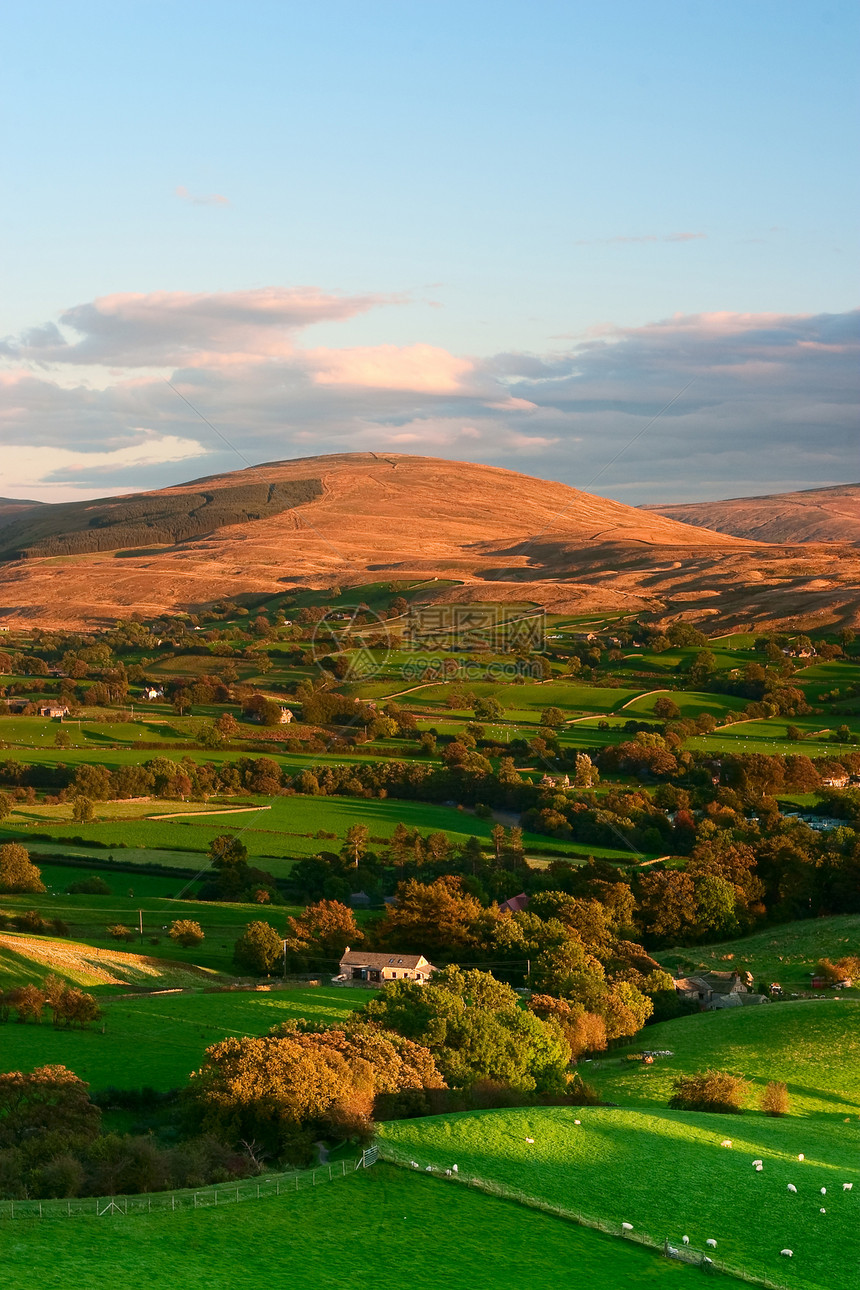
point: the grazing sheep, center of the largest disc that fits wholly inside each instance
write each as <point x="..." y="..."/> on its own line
<point x="530" y="1140"/>
<point x="414" y="1164"/>
<point x="448" y="1173"/>
<point x="627" y="1227"/>
<point x="791" y="1187"/>
<point x="801" y="1156"/>
<point x="787" y="1253"/>
<point x="822" y="1211"/>
<point x="706" y="1262"/>
<point x="429" y="1169"/>
<point x="847" y="1186"/>
<point x="672" y="1251"/>
<point x="455" y="1169"/>
<point x="711" y="1242"/>
<point x="726" y="1142"/>
<point x="686" y="1240"/>
<point x="759" y="1168"/>
<point x="577" y="1121"/>
<point x="757" y="1164"/>
<point x="824" y="1191"/>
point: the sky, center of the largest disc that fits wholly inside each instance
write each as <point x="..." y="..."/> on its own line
<point x="614" y="245"/>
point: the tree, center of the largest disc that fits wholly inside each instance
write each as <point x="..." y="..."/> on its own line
<point x="83" y="810"/>
<point x="227" y="726"/>
<point x="62" y="739"/>
<point x="488" y="709"/>
<point x="323" y="930"/>
<point x="17" y="873"/>
<point x="355" y="845"/>
<point x="259" y="950"/>
<point x="226" y="850"/>
<point x="431" y="918"/>
<point x="552" y="717"/>
<point x="709" y="1090"/>
<point x="774" y="1098"/>
<point x="666" y="708"/>
<point x="186" y="932"/>
<point x="92" y="781"/>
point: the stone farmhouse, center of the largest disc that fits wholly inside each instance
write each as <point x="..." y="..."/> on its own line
<point x="358" y="967"/>
<point x="715" y="990"/>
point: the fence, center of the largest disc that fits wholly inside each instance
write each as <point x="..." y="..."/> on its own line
<point x="285" y="1184"/>
<point x="684" y="1253"/>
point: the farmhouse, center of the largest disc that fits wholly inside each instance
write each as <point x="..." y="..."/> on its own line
<point x="718" y="989"/>
<point x="54" y="710"/>
<point x="375" y="969"/>
<point x="153" y="692"/>
<point x="515" y="904"/>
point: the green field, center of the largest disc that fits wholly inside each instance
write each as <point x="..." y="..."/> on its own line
<point x="158" y="1040"/>
<point x="786" y="953"/>
<point x="380" y="1229"/>
<point x="667" y="1174"/>
<point x="812" y="1046"/>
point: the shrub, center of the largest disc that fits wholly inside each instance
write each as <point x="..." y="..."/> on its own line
<point x="774" y="1099"/>
<point x="120" y="933"/>
<point x="186" y="932"/>
<point x="17" y="873"/>
<point x="31" y="921"/>
<point x="94" y="886"/>
<point x="709" y="1090"/>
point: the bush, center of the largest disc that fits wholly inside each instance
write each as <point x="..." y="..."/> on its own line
<point x="774" y="1099"/>
<point x="186" y="932"/>
<point x="120" y="933"/>
<point x="94" y="886"/>
<point x="709" y="1091"/>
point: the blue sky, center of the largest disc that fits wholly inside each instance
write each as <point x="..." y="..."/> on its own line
<point x="508" y="232"/>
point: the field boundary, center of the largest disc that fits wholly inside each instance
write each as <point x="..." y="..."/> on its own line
<point x="683" y="1254"/>
<point x="169" y="1202"/>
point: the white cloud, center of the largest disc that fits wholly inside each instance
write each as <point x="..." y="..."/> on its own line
<point x="48" y="474"/>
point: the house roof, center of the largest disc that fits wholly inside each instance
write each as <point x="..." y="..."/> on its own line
<point x="724" y="982"/>
<point x="355" y="958"/>
<point x="516" y="903"/>
<point x="692" y="984"/>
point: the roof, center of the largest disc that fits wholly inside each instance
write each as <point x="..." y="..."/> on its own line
<point x="516" y="904"/>
<point x="355" y="958"/>
<point x="724" y="982"/>
<point x="692" y="984"/>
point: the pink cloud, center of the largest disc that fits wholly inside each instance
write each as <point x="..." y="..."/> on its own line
<point x="208" y="199"/>
<point x="424" y="368"/>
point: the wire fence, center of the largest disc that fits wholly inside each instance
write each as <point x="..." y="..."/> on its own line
<point x="705" y="1259"/>
<point x="285" y="1184"/>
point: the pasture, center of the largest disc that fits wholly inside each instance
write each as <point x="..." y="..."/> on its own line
<point x="158" y="1040"/>
<point x="378" y="1229"/>
<point x="666" y="1173"/>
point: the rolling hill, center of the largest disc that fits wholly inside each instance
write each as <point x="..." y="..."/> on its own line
<point x="357" y="517"/>
<point x="814" y="515"/>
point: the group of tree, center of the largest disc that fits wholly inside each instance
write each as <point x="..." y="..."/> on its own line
<point x="69" y="1006"/>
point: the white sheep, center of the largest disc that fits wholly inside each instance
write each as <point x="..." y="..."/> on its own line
<point x="824" y="1191"/>
<point x="759" y="1168"/>
<point x="711" y="1242"/>
<point x="530" y="1140"/>
<point x="672" y="1251"/>
<point x="706" y="1261"/>
<point x="577" y="1121"/>
<point x="726" y="1142"/>
<point x="822" y="1211"/>
<point x="801" y="1156"/>
<point x="429" y="1169"/>
<point x="455" y="1169"/>
<point x="787" y="1253"/>
<point x="847" y="1186"/>
<point x="414" y="1164"/>
<point x="757" y="1164"/>
<point x="791" y="1187"/>
<point x="448" y="1173"/>
<point x="627" y="1227"/>
<point x="686" y="1240"/>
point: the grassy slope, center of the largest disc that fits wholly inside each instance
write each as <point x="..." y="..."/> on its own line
<point x="159" y="1040"/>
<point x="814" y="1047"/>
<point x="786" y="954"/>
<point x="376" y="1230"/>
<point x="666" y="1173"/>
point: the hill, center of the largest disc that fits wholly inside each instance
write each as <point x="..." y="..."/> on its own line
<point x="11" y="508"/>
<point x="321" y="521"/>
<point x="813" y="515"/>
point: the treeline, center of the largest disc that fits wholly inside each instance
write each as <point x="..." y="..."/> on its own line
<point x="68" y="1005"/>
<point x="72" y="528"/>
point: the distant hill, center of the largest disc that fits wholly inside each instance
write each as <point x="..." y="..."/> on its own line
<point x="814" y="515"/>
<point x="11" y="508"/>
<point x="482" y="533"/>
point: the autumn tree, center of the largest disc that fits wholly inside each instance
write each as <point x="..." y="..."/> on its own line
<point x="323" y="930"/>
<point x="17" y="872"/>
<point x="186" y="932"/>
<point x="431" y="917"/>
<point x="775" y="1099"/>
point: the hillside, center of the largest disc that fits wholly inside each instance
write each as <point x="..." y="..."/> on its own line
<point x="813" y="515"/>
<point x="501" y="535"/>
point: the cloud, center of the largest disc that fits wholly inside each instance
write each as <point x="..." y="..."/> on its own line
<point x="773" y="397"/>
<point x="421" y="368"/>
<point x="52" y="474"/>
<point x="210" y="199"/>
<point x="178" y="329"/>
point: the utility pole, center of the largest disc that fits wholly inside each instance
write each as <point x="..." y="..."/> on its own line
<point x="140" y="923"/>
<point x="285" y="960"/>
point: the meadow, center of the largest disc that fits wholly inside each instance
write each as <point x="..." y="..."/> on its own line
<point x="666" y="1173"/>
<point x="378" y="1229"/>
<point x="157" y="1040"/>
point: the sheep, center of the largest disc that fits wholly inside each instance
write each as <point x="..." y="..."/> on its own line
<point x="787" y="1253"/>
<point x="448" y="1173"/>
<point x="824" y="1191"/>
<point x="711" y="1242"/>
<point x="801" y="1156"/>
<point x="757" y="1164"/>
<point x="455" y="1169"/>
<point x="759" y="1168"/>
<point x="847" y="1186"/>
<point x="686" y="1240"/>
<point x="627" y="1227"/>
<point x="791" y="1187"/>
<point x="577" y="1121"/>
<point x="672" y="1251"/>
<point x="530" y="1140"/>
<point x="726" y="1142"/>
<point x="429" y="1169"/>
<point x="822" y="1211"/>
<point x="414" y="1164"/>
<point x="706" y="1262"/>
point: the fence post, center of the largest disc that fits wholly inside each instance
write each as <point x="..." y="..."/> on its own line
<point x="40" y="1209"/>
<point x="343" y="1172"/>
<point x="329" y="1172"/>
<point x="173" y="1201"/>
<point x="277" y="1187"/>
<point x="258" y="1191"/>
<point x="315" y="1177"/>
